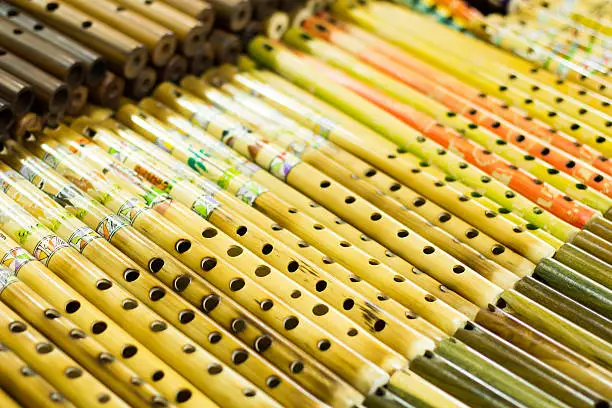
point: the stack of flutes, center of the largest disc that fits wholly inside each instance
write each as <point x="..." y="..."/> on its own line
<point x="366" y="208"/>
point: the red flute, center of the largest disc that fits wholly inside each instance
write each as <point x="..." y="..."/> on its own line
<point x="505" y="130"/>
<point x="513" y="115"/>
<point x="572" y="211"/>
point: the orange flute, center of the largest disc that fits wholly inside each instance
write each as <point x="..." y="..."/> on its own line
<point x="571" y="211"/>
<point x="513" y="115"/>
<point x="506" y="131"/>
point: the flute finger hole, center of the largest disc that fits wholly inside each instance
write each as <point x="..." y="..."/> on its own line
<point x="186" y="316"/>
<point x="291" y="323"/>
<point x="498" y="250"/>
<point x="324" y="345"/>
<point x="234" y="251"/>
<point x="210" y="233"/>
<point x="189" y="349"/>
<point x="236" y="284"/>
<point x="104" y="398"/>
<point x="262" y="343"/>
<point x="52" y="314"/>
<point x="99" y="327"/>
<point x="72" y="306"/>
<point x="129" y="304"/>
<point x="266" y="305"/>
<point x="238" y="325"/>
<point x="249" y="393"/>
<point x="104" y="284"/>
<point x="77" y="334"/>
<point x="209" y="303"/>
<point x="471" y="233"/>
<point x="73" y="372"/>
<point x="296" y="294"/>
<point x="44" y="348"/>
<point x="182" y="246"/>
<point x="242" y="230"/>
<point x="267" y="249"/>
<point x="27" y="372"/>
<point x="208" y="264"/>
<point x="273" y="381"/>
<point x="156" y="265"/>
<point x="130" y="275"/>
<point x="181" y="283"/>
<point x="348" y="304"/>
<point x="157" y="376"/>
<point x="157" y="293"/>
<point x="129" y="351"/>
<point x="379" y="325"/>
<point x="214" y="337"/>
<point x="321" y="286"/>
<point x="239" y="357"/>
<point x="214" y="369"/>
<point x="183" y="396"/>
<point x="320" y="310"/>
<point x="17" y="327"/>
<point x="296" y="367"/>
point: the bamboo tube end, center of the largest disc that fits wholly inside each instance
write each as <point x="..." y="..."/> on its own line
<point x="226" y="46"/>
<point x="601" y="227"/>
<point x="174" y="70"/>
<point x="75" y="75"/>
<point x="96" y="71"/>
<point x="135" y="62"/>
<point x="142" y="85"/>
<point x="201" y="62"/>
<point x="77" y="100"/>
<point x="250" y="31"/>
<point x="241" y="15"/>
<point x="276" y="25"/>
<point x="194" y="39"/>
<point x="24" y="99"/>
<point x="164" y="50"/>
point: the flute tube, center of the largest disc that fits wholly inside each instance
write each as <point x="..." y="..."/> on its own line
<point x="29" y="389"/>
<point x="226" y="46"/>
<point x="109" y="91"/>
<point x="62" y="372"/>
<point x="199" y="9"/>
<point x="77" y="98"/>
<point x="232" y="15"/>
<point x="200" y="63"/>
<point x="142" y="85"/>
<point x="16" y="92"/>
<point x="175" y="69"/>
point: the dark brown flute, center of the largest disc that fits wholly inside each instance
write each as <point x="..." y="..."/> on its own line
<point x="17" y="93"/>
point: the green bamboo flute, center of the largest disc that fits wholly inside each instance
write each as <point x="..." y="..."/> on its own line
<point x="302" y="144"/>
<point x="327" y="121"/>
<point x="400" y="92"/>
<point x="148" y="290"/>
<point x="172" y="144"/>
<point x="480" y="77"/>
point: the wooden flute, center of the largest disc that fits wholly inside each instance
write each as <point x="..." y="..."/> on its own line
<point x="171" y="272"/>
<point x="129" y="156"/>
<point x="80" y="273"/>
<point x="85" y="350"/>
<point x="29" y="389"/>
<point x="50" y="362"/>
<point x="302" y="146"/>
<point x="157" y="296"/>
<point x="231" y="281"/>
<point x="108" y="333"/>
<point x="339" y="128"/>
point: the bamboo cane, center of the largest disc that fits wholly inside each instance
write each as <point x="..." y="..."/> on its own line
<point x="125" y="55"/>
<point x="80" y="273"/>
<point x="226" y="46"/>
<point x="301" y="270"/>
<point x="168" y="146"/>
<point x="426" y="393"/>
<point x="85" y="350"/>
<point x="107" y="332"/>
<point x="505" y="131"/>
<point x="515" y="116"/>
<point x="7" y="401"/>
<point x="233" y="283"/>
<point x="109" y="91"/>
<point x="160" y="41"/>
<point x="232" y="15"/>
<point x="140" y="86"/>
<point x="62" y="372"/>
<point x="77" y="98"/>
<point x="28" y="388"/>
<point x="199" y="9"/>
<point x="550" y="198"/>
<point x="170" y="271"/>
<point x="191" y="32"/>
<point x="172" y="307"/>
<point x="203" y="61"/>
<point x="17" y="92"/>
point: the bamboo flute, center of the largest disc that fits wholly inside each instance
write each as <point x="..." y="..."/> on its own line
<point x="50" y="362"/>
<point x="198" y="9"/>
<point x="79" y="272"/>
<point x="29" y="389"/>
<point x="202" y="61"/>
<point x="109" y="91"/>
<point x="170" y="306"/>
<point x="142" y="84"/>
<point x="276" y="25"/>
<point x="17" y="92"/>
<point x="85" y="350"/>
<point x="316" y="308"/>
<point x="301" y="272"/>
<point x="551" y="199"/>
<point x="107" y="332"/>
<point x="116" y="147"/>
<point x="492" y="104"/>
<point x="548" y="62"/>
<point x="339" y="128"/>
<point x="96" y="66"/>
<point x="163" y="264"/>
<point x="8" y="402"/>
<point x="289" y="141"/>
<point x="77" y="98"/>
<point x="44" y="54"/>
<point x="125" y="55"/>
<point x="191" y="32"/>
<point x="360" y="372"/>
<point x="242" y="141"/>
<point x="176" y="120"/>
<point x="226" y="46"/>
<point x="303" y="146"/>
<point x="159" y="40"/>
<point x="477" y="76"/>
<point x="232" y="15"/>
<point x="503" y="130"/>
<point x="174" y="70"/>
<point x="168" y="146"/>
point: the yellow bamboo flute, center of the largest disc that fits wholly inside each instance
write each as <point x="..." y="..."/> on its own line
<point x="29" y="389"/>
<point x="157" y="296"/>
<point x="108" y="333"/>
<point x="301" y="146"/>
<point x="358" y="371"/>
<point x="52" y="183"/>
<point x="62" y="372"/>
<point x="417" y="360"/>
<point x="272" y="281"/>
<point x="334" y="197"/>
<point x="177" y="121"/>
<point x="85" y="350"/>
<point x="427" y="209"/>
<point x="145" y="325"/>
<point x="285" y="259"/>
<point x="373" y="351"/>
<point x="7" y="401"/>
